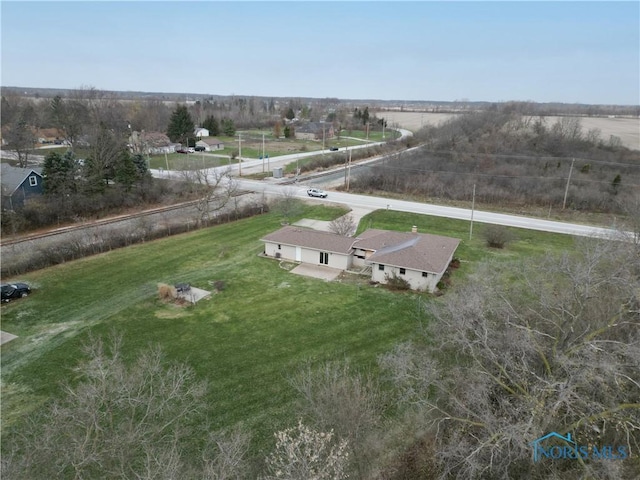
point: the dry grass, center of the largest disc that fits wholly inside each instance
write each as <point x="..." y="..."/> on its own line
<point x="167" y="292"/>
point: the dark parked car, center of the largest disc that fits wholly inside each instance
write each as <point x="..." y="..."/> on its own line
<point x="199" y="148"/>
<point x="334" y="149"/>
<point x="182" y="150"/>
<point x="14" y="290"/>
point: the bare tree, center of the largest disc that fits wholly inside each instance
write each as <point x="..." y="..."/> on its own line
<point x="524" y="350"/>
<point x="344" y="225"/>
<point x="225" y="458"/>
<point x="288" y="206"/>
<point x="21" y="138"/>
<point x="304" y="453"/>
<point x="337" y="397"/>
<point x="215" y="188"/>
<point x="126" y="421"/>
<point x="120" y="422"/>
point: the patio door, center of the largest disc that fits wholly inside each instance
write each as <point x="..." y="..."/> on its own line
<point x="324" y="258"/>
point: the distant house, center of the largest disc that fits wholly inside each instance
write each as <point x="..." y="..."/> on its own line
<point x="420" y="259"/>
<point x="19" y="185"/>
<point x="49" y="135"/>
<point x="314" y="131"/>
<point x="150" y="143"/>
<point x="200" y="132"/>
<point x="210" y="144"/>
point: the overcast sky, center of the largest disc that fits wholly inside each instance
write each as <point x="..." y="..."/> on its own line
<point x="583" y="52"/>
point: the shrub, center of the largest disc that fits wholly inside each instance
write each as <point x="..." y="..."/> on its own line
<point x="395" y="282"/>
<point x="497" y="236"/>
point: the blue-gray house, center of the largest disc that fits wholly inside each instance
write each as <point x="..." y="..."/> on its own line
<point x="18" y="185"/>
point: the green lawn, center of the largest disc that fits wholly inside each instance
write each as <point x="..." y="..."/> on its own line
<point x="244" y="341"/>
<point x="191" y="161"/>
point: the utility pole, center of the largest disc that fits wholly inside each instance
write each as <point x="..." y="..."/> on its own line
<point x="349" y="171"/>
<point x="239" y="154"/>
<point x="473" y="207"/>
<point x="323" y="135"/>
<point x="566" y="190"/>
<point x="263" y="153"/>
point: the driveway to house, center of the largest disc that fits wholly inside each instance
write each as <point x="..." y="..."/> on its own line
<point x="356" y="214"/>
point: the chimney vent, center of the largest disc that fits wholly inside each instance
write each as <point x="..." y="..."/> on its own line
<point x="414" y="229"/>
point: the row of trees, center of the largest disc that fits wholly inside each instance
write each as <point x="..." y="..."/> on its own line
<point x="517" y="351"/>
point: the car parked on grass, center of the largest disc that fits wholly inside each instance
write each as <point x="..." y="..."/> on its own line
<point x="11" y="291"/>
<point x="191" y="150"/>
<point x="316" y="192"/>
<point x="182" y="150"/>
<point x="334" y="149"/>
<point x="199" y="148"/>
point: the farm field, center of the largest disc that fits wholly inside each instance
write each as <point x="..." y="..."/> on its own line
<point x="245" y="340"/>
<point x="628" y="129"/>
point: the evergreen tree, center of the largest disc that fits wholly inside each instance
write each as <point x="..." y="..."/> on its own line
<point x="181" y="125"/>
<point x="290" y="114"/>
<point x="141" y="165"/>
<point x="211" y="124"/>
<point x="228" y="127"/>
<point x="59" y="172"/>
<point x="126" y="171"/>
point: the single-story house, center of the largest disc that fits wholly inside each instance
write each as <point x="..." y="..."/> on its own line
<point x="314" y="131"/>
<point x="420" y="259"/>
<point x="310" y="246"/>
<point x="200" y="132"/>
<point x="19" y="184"/>
<point x="210" y="144"/>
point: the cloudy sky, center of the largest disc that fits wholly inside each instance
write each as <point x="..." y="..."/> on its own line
<point x="585" y="52"/>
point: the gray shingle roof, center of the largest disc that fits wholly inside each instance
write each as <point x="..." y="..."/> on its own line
<point x="12" y="177"/>
<point x="416" y="251"/>
<point x="304" y="237"/>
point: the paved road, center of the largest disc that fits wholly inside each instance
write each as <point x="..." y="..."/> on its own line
<point x="479" y="216"/>
<point x="272" y="188"/>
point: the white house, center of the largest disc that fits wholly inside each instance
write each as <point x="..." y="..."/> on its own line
<point x="200" y="132"/>
<point x="420" y="259"/>
<point x="210" y="144"/>
<point x="309" y="246"/>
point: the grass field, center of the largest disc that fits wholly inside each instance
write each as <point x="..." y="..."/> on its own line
<point x="245" y="340"/>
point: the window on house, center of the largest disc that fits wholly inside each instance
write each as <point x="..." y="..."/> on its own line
<point x="33" y="180"/>
<point x="279" y="247"/>
<point x="403" y="271"/>
<point x="324" y="258"/>
<point x="425" y="274"/>
<point x="381" y="267"/>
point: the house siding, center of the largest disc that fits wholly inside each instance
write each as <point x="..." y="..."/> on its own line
<point x="414" y="277"/>
<point x="22" y="193"/>
<point x="308" y="255"/>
